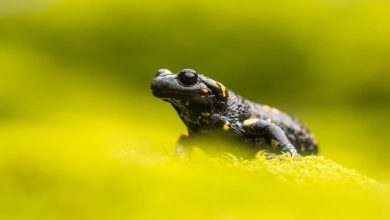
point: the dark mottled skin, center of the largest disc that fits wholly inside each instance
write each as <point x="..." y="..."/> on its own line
<point x="206" y="107"/>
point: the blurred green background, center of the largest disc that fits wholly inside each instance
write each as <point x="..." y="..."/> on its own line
<point x="75" y="78"/>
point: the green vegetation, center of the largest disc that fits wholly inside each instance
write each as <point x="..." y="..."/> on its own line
<point x="81" y="137"/>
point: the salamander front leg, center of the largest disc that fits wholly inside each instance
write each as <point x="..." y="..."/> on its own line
<point x="271" y="132"/>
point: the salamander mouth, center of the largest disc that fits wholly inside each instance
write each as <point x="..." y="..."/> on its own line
<point x="165" y="93"/>
<point x="174" y="94"/>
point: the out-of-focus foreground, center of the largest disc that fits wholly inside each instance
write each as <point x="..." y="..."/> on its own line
<point x="82" y="137"/>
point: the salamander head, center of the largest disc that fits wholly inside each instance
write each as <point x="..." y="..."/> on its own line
<point x="192" y="95"/>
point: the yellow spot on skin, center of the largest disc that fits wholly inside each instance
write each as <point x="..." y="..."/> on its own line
<point x="274" y="143"/>
<point x="275" y="110"/>
<point x="266" y="107"/>
<point x="226" y="126"/>
<point x="205" y="113"/>
<point x="269" y="120"/>
<point x="204" y="90"/>
<point x="223" y="89"/>
<point x="250" y="121"/>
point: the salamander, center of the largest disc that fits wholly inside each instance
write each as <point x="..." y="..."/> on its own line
<point x="207" y="107"/>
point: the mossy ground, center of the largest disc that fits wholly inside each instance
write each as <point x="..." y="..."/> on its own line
<point x="80" y="184"/>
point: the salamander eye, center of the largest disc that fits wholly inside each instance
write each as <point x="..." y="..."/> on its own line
<point x="188" y="76"/>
